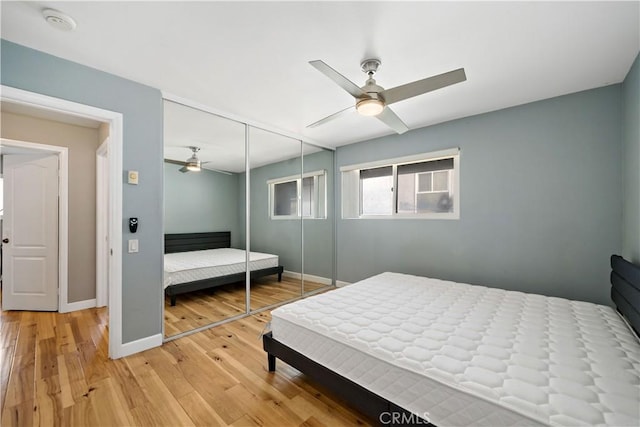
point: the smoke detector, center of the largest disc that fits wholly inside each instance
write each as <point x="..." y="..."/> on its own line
<point x="59" y="20"/>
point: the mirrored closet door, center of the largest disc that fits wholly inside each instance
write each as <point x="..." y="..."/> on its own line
<point x="275" y="217"/>
<point x="317" y="218"/>
<point x="286" y="242"/>
<point x="204" y="219"/>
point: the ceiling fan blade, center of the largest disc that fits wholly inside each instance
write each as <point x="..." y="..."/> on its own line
<point x="174" y="162"/>
<point x="389" y="118"/>
<point x="331" y="117"/>
<point x="339" y="79"/>
<point x="183" y="169"/>
<point x="419" y="87"/>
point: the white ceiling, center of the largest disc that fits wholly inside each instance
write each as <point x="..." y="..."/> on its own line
<point x="250" y="59"/>
<point x="222" y="141"/>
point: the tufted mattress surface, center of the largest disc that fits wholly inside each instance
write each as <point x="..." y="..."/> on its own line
<point x="460" y="354"/>
<point x="182" y="267"/>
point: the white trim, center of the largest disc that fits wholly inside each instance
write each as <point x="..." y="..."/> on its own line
<point x="296" y="177"/>
<point x="81" y="305"/>
<point x="102" y="225"/>
<point x="115" y="121"/>
<point x="341" y="284"/>
<point x="243" y="120"/>
<point x="430" y="216"/>
<point x="142" y="344"/>
<point x="115" y="238"/>
<point x="63" y="212"/>
<point x="247" y="220"/>
<point x="309" y="277"/>
<point x="434" y="155"/>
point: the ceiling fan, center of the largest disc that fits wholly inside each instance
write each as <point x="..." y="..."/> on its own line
<point x="192" y="164"/>
<point x="374" y="100"/>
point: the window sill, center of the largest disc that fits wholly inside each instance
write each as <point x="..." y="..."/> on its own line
<point x="453" y="216"/>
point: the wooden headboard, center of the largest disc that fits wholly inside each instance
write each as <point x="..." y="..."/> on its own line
<point x="186" y="242"/>
<point x="625" y="289"/>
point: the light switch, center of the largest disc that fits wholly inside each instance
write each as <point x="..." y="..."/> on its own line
<point x="132" y="177"/>
<point x="133" y="246"/>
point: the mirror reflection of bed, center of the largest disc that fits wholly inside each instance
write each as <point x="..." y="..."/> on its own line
<point x="204" y="280"/>
<point x="290" y="228"/>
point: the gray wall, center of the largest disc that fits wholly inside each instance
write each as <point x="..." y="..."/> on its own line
<point x="318" y="233"/>
<point x="203" y="201"/>
<point x="141" y="107"/>
<point x="284" y="236"/>
<point x="631" y="164"/>
<point x="82" y="143"/>
<point x="541" y="201"/>
<point x="280" y="237"/>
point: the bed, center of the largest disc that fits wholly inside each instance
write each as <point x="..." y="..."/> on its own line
<point x="198" y="261"/>
<point x="410" y="350"/>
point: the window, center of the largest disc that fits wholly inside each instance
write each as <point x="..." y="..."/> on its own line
<point x="376" y="191"/>
<point x="422" y="186"/>
<point x="293" y="197"/>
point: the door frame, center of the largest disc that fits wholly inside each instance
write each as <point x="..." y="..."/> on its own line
<point x="115" y="122"/>
<point x="102" y="225"/>
<point x="63" y="211"/>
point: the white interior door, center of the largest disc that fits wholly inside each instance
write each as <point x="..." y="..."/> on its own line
<point x="30" y="232"/>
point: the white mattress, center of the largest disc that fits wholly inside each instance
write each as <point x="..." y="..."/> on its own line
<point x="182" y="267"/>
<point x="464" y="355"/>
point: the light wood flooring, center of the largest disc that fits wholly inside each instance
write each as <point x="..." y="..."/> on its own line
<point x="197" y="309"/>
<point x="54" y="371"/>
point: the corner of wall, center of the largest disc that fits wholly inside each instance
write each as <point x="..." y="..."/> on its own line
<point x="631" y="164"/>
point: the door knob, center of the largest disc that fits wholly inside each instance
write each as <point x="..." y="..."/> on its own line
<point x="5" y="240"/>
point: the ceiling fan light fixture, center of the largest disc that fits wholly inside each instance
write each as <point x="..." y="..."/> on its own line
<point x="370" y="107"/>
<point x="193" y="164"/>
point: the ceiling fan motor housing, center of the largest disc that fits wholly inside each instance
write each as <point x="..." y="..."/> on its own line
<point x="370" y="66"/>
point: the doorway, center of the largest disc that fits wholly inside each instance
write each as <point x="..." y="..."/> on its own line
<point x="66" y="111"/>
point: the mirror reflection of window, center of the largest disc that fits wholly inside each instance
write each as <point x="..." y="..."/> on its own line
<point x="286" y="198"/>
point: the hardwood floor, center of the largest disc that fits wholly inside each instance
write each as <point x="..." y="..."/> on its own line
<point x="54" y="370"/>
<point x="196" y="309"/>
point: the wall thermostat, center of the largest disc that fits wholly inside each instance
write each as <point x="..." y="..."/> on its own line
<point x="132" y="177"/>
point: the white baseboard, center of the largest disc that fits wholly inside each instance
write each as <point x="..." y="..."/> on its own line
<point x="78" y="305"/>
<point x="138" y="345"/>
<point x="309" y="277"/>
<point x="340" y="283"/>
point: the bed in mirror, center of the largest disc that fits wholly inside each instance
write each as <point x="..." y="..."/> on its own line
<point x="286" y="242"/>
<point x="204" y="221"/>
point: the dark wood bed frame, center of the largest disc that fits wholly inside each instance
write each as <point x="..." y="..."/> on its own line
<point x="625" y="293"/>
<point x="187" y="242"/>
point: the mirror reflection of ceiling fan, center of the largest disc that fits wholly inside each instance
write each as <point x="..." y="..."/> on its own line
<point x="193" y="163"/>
<point x="374" y="100"/>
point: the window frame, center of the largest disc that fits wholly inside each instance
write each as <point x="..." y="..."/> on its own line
<point x="317" y="212"/>
<point x="453" y="153"/>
